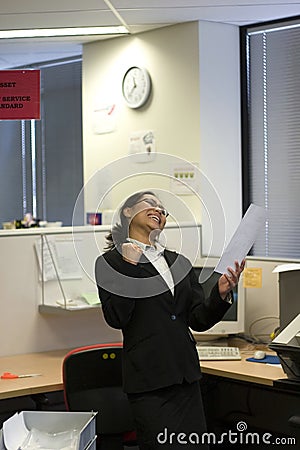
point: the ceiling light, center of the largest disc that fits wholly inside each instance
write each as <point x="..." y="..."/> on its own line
<point x="54" y="32"/>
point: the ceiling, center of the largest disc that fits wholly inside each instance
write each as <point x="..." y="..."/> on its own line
<point x="138" y="15"/>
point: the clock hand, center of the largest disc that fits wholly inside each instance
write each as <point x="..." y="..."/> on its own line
<point x="133" y="87"/>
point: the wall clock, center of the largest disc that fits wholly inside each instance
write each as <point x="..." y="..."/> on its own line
<point x="136" y="87"/>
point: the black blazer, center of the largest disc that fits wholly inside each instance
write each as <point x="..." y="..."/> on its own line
<point x="159" y="349"/>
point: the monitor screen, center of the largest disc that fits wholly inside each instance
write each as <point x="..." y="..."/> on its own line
<point x="234" y="319"/>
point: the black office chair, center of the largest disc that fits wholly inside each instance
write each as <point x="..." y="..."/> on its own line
<point x="92" y="378"/>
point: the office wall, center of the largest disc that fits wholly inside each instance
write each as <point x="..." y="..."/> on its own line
<point x="220" y="129"/>
<point x="172" y="58"/>
<point x="193" y="112"/>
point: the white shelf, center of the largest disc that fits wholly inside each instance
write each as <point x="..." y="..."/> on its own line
<point x="60" y="310"/>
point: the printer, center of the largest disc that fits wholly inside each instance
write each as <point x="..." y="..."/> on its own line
<point x="287" y="347"/>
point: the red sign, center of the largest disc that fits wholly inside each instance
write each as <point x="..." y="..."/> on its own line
<point x="19" y="94"/>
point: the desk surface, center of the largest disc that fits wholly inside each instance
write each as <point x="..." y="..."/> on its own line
<point x="253" y="372"/>
<point x="49" y="365"/>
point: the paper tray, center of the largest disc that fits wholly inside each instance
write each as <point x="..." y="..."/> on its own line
<point x="55" y="422"/>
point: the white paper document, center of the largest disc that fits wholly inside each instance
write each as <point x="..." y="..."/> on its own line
<point x="59" y="259"/>
<point x="243" y="238"/>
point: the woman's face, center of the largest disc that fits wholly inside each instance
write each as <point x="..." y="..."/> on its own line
<point x="147" y="214"/>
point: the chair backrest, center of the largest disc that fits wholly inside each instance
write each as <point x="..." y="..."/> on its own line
<point x="92" y="378"/>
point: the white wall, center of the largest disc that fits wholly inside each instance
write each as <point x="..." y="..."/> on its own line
<point x="220" y="131"/>
<point x="171" y="56"/>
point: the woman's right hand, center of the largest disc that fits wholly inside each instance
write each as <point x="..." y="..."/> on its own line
<point x="131" y="253"/>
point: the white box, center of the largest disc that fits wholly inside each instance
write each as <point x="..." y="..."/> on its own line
<point x="56" y="422"/>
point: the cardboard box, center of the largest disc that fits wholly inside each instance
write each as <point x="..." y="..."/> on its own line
<point x="50" y="422"/>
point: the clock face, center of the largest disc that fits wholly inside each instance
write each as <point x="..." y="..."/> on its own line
<point x="136" y="87"/>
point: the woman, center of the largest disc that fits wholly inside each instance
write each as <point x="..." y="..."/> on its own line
<point x="153" y="296"/>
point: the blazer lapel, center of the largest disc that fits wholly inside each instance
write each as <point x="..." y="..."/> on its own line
<point x="146" y="266"/>
<point x="176" y="269"/>
<point x="172" y="259"/>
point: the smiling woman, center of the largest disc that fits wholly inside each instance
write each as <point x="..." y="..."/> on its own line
<point x="152" y="294"/>
<point x="146" y="219"/>
<point x="120" y="232"/>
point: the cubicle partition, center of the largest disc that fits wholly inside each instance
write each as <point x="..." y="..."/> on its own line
<point x="48" y="293"/>
<point x="24" y="327"/>
<point x="32" y="315"/>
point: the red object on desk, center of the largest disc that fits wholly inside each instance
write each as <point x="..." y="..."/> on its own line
<point x="8" y="376"/>
<point x="11" y="376"/>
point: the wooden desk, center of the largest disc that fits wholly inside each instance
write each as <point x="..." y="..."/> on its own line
<point x="237" y="390"/>
<point x="49" y="365"/>
<point x="244" y="370"/>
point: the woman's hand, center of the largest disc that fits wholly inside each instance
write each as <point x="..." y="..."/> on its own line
<point x="228" y="281"/>
<point x="131" y="253"/>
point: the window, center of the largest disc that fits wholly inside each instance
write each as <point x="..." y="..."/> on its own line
<point x="14" y="163"/>
<point x="271" y="133"/>
<point x="41" y="160"/>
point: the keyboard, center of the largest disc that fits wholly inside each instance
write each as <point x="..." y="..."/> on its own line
<point x="218" y="353"/>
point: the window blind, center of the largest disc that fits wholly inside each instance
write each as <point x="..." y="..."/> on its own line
<point x="10" y="169"/>
<point x="59" y="142"/>
<point x="273" y="116"/>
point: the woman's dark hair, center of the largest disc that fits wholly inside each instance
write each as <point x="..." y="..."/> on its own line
<point x="119" y="232"/>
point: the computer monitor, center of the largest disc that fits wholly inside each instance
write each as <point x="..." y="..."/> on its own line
<point x="233" y="321"/>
